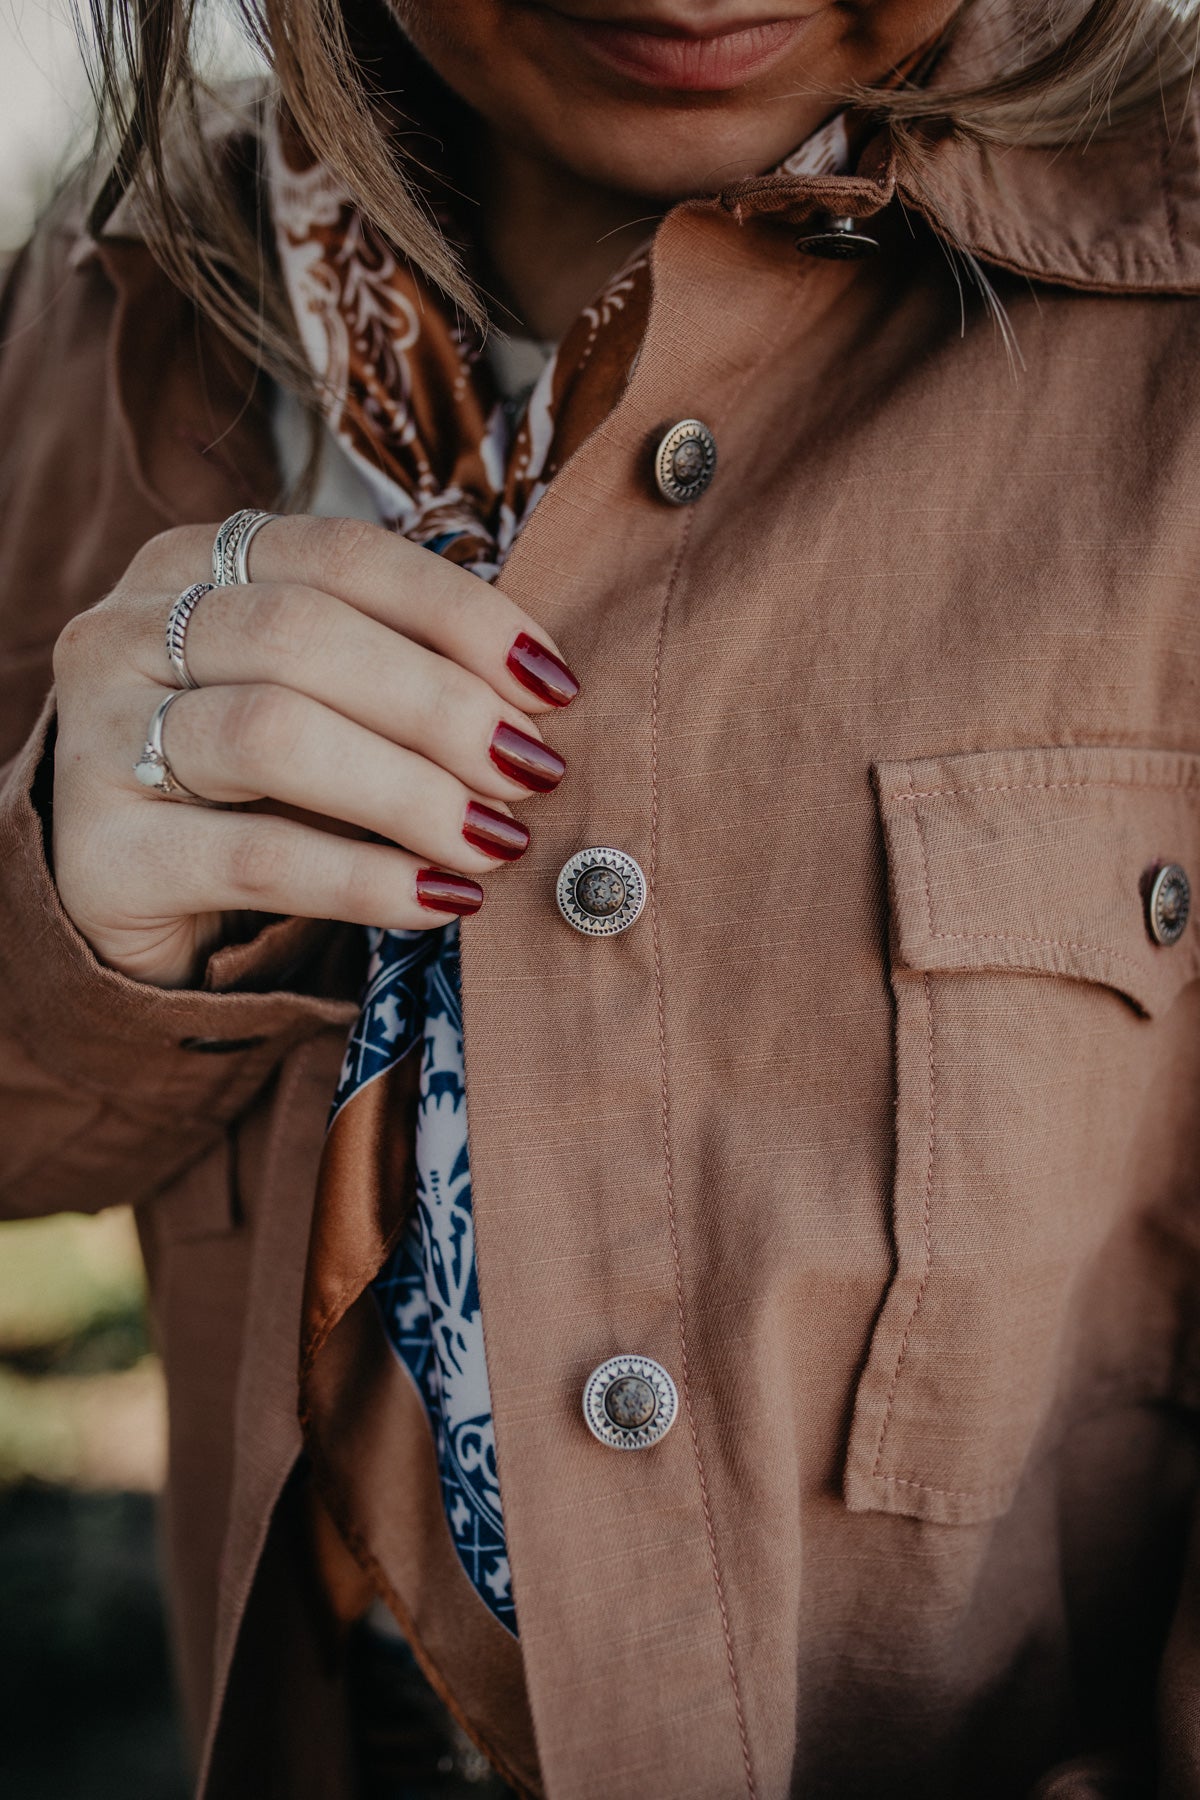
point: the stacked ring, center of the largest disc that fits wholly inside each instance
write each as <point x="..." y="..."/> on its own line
<point x="232" y="547"/>
<point x="177" y="624"/>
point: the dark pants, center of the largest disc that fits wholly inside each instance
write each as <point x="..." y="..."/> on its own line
<point x="409" y="1748"/>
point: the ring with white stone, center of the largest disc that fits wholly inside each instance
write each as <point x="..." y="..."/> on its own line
<point x="177" y="624"/>
<point x="231" y="547"/>
<point x="152" y="768"/>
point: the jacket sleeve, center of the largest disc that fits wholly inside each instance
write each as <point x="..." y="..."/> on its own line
<point x="108" y="1088"/>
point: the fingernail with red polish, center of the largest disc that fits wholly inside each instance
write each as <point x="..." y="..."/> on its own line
<point x="522" y="758"/>
<point x="495" y="833"/>
<point x="543" y="673"/>
<point x="442" y="892"/>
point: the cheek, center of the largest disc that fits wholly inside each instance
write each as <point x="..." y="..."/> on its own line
<point x="458" y="40"/>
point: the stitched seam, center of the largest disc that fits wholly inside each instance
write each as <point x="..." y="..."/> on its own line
<point x="669" y="1175"/>
<point x="1022" y="787"/>
<point x="1005" y="937"/>
<point x="950" y="1493"/>
<point x="926" y="1230"/>
<point x="924" y="848"/>
<point x="927" y="1237"/>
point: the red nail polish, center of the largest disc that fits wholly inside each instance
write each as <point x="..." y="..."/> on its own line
<point x="523" y="759"/>
<point x="543" y="673"/>
<point x="495" y="833"/>
<point x="442" y="892"/>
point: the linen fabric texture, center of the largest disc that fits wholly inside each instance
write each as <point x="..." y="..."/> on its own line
<point x="879" y="1130"/>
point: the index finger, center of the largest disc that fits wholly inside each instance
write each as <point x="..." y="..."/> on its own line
<point x="418" y="593"/>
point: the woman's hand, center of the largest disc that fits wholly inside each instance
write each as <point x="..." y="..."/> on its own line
<point x="359" y="685"/>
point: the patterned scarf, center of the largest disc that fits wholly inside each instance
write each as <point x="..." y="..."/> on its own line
<point x="410" y="398"/>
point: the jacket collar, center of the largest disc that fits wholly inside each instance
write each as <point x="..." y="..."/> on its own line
<point x="1117" y="215"/>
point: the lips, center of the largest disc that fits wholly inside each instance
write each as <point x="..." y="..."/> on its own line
<point x="667" y="55"/>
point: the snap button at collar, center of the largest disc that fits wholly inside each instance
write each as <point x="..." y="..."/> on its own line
<point x="837" y="239"/>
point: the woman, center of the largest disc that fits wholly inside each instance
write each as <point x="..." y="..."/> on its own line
<point x="818" y="763"/>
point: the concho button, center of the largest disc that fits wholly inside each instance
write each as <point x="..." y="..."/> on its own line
<point x="629" y="1402"/>
<point x="1169" y="905"/>
<point x="600" y="892"/>
<point x="685" y="462"/>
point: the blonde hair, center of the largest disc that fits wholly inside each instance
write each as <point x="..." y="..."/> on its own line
<point x="1056" y="81"/>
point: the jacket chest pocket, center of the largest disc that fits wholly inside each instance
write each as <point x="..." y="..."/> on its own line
<point x="1033" y="1020"/>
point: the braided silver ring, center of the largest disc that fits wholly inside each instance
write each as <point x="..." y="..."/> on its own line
<point x="152" y="768"/>
<point x="177" y="624"/>
<point x="231" y="548"/>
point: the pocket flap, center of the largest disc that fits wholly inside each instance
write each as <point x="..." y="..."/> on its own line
<point x="1042" y="860"/>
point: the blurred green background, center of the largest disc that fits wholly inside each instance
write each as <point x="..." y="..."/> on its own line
<point x="84" y="1666"/>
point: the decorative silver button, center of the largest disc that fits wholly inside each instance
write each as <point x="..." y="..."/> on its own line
<point x="685" y="462"/>
<point x="836" y="239"/>
<point x="630" y="1402"/>
<point x="1169" y="905"/>
<point x="600" y="891"/>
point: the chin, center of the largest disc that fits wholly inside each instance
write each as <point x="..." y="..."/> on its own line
<point x="665" y="154"/>
<point x="505" y="60"/>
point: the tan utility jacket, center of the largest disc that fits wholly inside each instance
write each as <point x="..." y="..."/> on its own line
<point x="880" y="1130"/>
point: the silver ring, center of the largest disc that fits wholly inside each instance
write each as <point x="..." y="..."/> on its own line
<point x="177" y="624"/>
<point x="231" y="549"/>
<point x="152" y="768"/>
